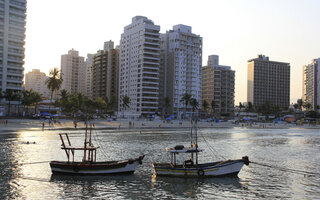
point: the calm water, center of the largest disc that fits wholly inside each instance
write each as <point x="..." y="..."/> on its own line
<point x="293" y="148"/>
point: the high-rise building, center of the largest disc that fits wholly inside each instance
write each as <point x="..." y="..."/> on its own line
<point x="12" y="36"/>
<point x="73" y="72"/>
<point x="36" y="80"/>
<point x="218" y="86"/>
<point x="311" y="84"/>
<point x="105" y="74"/>
<point x="139" y="67"/>
<point x="268" y="82"/>
<point x="181" y="61"/>
<point x="88" y="76"/>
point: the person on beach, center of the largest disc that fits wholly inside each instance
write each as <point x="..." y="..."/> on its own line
<point x="43" y="126"/>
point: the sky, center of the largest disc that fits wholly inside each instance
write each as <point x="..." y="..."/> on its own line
<point x="236" y="30"/>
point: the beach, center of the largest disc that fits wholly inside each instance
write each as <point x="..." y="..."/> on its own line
<point x="36" y="125"/>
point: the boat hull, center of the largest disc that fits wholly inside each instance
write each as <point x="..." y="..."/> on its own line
<point x="225" y="168"/>
<point x="96" y="168"/>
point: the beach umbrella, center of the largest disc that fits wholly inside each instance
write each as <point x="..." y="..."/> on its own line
<point x="45" y="114"/>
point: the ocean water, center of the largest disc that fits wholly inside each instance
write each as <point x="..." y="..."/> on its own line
<point x="22" y="178"/>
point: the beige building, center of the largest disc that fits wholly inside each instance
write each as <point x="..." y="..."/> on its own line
<point x="105" y="74"/>
<point x="73" y="72"/>
<point x="218" y="87"/>
<point x="35" y="80"/>
<point x="88" y="76"/>
<point x="311" y="84"/>
<point x="268" y="82"/>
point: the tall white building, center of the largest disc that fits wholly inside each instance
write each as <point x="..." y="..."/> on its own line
<point x="12" y="36"/>
<point x="181" y="61"/>
<point x="139" y="67"/>
<point x="311" y="84"/>
<point x="218" y="86"/>
<point x="36" y="80"/>
<point x="73" y="72"/>
<point x="88" y="76"/>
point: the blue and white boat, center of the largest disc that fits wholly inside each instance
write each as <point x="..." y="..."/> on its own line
<point x="191" y="167"/>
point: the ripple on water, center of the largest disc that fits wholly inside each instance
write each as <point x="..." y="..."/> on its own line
<point x="290" y="148"/>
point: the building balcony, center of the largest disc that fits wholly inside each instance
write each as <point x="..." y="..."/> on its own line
<point x="14" y="81"/>
<point x="156" y="39"/>
<point x="151" y="58"/>
<point x="149" y="86"/>
<point x="146" y="93"/>
<point x="151" y="48"/>
<point x="151" y="34"/>
<point x="19" y="67"/>
<point x="150" y="63"/>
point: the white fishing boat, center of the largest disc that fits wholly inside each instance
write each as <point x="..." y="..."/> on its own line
<point x="89" y="164"/>
<point x="191" y="167"/>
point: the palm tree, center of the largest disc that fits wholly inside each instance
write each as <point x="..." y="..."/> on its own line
<point x="241" y="106"/>
<point x="54" y="81"/>
<point x="63" y="102"/>
<point x="250" y="106"/>
<point x="223" y="105"/>
<point x="113" y="103"/>
<point x="186" y="98"/>
<point x="10" y="95"/>
<point x="307" y="105"/>
<point x="213" y="106"/>
<point x="205" y="105"/>
<point x="194" y="104"/>
<point x="300" y="103"/>
<point x="36" y="98"/>
<point x="101" y="104"/>
<point x="125" y="102"/>
<point x="26" y="99"/>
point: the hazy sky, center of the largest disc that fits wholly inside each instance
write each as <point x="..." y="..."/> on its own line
<point x="236" y="30"/>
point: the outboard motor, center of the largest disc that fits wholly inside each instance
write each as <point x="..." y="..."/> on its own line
<point x="246" y="160"/>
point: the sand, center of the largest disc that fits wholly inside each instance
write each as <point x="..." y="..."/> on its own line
<point x="14" y="125"/>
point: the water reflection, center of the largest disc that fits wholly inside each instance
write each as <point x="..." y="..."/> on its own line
<point x="194" y="187"/>
<point x="291" y="148"/>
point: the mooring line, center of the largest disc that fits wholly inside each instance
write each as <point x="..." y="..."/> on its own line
<point x="31" y="163"/>
<point x="287" y="169"/>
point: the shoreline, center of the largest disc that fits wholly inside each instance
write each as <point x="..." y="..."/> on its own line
<point x="36" y="125"/>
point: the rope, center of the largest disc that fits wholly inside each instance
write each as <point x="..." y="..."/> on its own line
<point x="31" y="163"/>
<point x="95" y="135"/>
<point x="287" y="169"/>
<point x="213" y="151"/>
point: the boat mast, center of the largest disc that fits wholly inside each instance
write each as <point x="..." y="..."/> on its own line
<point x="196" y="130"/>
<point x="191" y="138"/>
<point x="85" y="144"/>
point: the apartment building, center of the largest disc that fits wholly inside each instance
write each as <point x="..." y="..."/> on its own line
<point x="36" y="80"/>
<point x="73" y="72"/>
<point x="12" y="37"/>
<point x="218" y="86"/>
<point x="139" y="68"/>
<point x="105" y="74"/>
<point x="311" y="84"/>
<point x="181" y="61"/>
<point x="268" y="82"/>
<point x="88" y="76"/>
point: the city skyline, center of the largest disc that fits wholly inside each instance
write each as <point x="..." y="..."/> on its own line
<point x="286" y="31"/>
